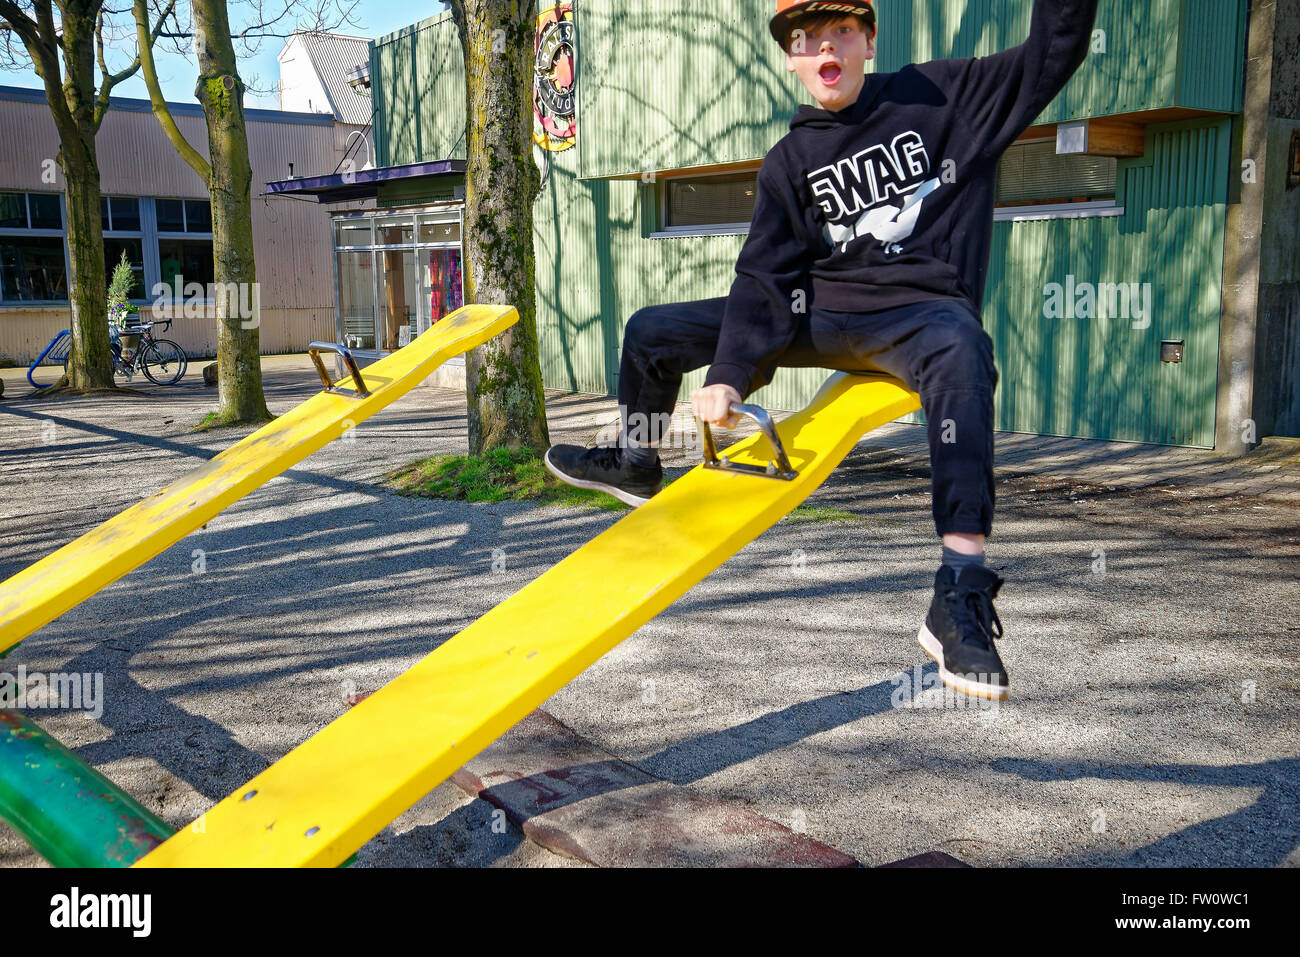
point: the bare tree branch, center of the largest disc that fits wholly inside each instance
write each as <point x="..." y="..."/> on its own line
<point x="145" y="39"/>
<point x="107" y="80"/>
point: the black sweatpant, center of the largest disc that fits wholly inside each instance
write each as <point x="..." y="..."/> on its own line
<point x="938" y="348"/>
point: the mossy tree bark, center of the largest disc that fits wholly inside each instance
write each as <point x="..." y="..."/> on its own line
<point x="504" y="398"/>
<point x="89" y="364"/>
<point x="230" y="183"/>
<point x="64" y="55"/>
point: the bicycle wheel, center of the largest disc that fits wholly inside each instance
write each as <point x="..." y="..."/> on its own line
<point x="163" y="361"/>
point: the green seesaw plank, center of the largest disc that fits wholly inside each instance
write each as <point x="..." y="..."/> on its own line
<point x="68" y="812"/>
<point x="331" y="794"/>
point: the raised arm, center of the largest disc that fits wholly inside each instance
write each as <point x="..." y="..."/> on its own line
<point x="999" y="96"/>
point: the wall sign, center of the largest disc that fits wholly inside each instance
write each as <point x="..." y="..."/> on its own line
<point x="554" y="79"/>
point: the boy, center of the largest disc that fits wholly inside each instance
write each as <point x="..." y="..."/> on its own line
<point x="867" y="252"/>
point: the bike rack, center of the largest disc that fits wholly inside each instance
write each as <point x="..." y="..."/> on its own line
<point x="56" y="351"/>
<point x="778" y="468"/>
<point x="316" y="348"/>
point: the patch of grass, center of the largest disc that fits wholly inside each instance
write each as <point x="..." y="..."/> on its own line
<point x="820" y="513"/>
<point x="215" y="420"/>
<point x="519" y="476"/>
<point x="498" y="476"/>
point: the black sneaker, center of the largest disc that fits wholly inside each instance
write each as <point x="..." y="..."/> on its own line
<point x="605" y="468"/>
<point x="959" y="630"/>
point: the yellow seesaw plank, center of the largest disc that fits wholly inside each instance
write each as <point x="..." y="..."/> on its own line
<point x="332" y="793"/>
<point x="43" y="591"/>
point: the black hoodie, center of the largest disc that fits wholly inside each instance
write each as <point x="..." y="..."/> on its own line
<point x="890" y="200"/>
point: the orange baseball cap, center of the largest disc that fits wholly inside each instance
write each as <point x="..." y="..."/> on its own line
<point x="788" y="11"/>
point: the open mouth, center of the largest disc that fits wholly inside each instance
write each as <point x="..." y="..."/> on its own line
<point x="830" y="73"/>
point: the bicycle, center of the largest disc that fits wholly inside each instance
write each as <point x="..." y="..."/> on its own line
<point x="162" y="361"/>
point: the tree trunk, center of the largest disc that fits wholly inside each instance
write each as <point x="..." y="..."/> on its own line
<point x="89" y="365"/>
<point x="221" y="92"/>
<point x="504" y="398"/>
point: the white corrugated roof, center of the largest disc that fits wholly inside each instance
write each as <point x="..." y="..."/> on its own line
<point x="335" y="56"/>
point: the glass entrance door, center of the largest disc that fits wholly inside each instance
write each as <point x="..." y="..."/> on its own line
<point x="396" y="274"/>
<point x="398" y="300"/>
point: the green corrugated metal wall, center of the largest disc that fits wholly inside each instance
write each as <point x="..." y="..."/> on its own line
<point x="1212" y="68"/>
<point x="596" y="264"/>
<point x="1103" y="378"/>
<point x="1140" y="68"/>
<point x="719" y="92"/>
<point x="419" y="95"/>
<point x="695" y="84"/>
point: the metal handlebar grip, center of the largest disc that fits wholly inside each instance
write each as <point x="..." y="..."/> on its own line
<point x="778" y="468"/>
<point x="316" y="348"/>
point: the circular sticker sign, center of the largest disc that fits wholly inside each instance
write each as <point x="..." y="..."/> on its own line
<point x="554" y="76"/>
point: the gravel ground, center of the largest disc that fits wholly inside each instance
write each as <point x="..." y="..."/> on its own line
<point x="1151" y="639"/>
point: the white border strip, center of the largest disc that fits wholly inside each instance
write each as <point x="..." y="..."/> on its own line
<point x="1023" y="214"/>
<point x="721" y="229"/>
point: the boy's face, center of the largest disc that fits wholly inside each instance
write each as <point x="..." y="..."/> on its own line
<point x="830" y="60"/>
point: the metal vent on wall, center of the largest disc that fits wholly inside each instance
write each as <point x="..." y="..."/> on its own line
<point x="1033" y="172"/>
<point x="444" y="196"/>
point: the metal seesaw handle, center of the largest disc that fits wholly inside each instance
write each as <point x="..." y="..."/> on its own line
<point x="778" y="468"/>
<point x="316" y="348"/>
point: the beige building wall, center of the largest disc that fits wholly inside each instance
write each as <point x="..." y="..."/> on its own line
<point x="291" y="237"/>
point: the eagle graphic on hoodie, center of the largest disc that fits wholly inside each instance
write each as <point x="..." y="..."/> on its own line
<point x="889" y="201"/>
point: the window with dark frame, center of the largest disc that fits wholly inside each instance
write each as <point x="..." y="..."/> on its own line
<point x="1029" y="174"/>
<point x="163" y="237"/>
<point x="120" y="219"/>
<point x="33" y="266"/>
<point x="1035" y="174"/>
<point x="726" y="200"/>
<point x="182" y="255"/>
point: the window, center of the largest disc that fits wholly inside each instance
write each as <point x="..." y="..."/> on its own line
<point x="439" y="232"/>
<point x="13" y="210"/>
<point x="398" y="298"/>
<point x="120" y="219"/>
<point x="184" y="244"/>
<point x="357" y="298"/>
<point x="33" y="267"/>
<point x="352" y="232"/>
<point x="44" y="210"/>
<point x="392" y="287"/>
<point x="722" y="203"/>
<point x="1034" y="173"/>
<point x="165" y="239"/>
<point x="171" y="215"/>
<point x="185" y="261"/>
<point x="30" y="211"/>
<point x="183" y="215"/>
<point x="134" y="249"/>
<point x="394" y="230"/>
<point x="121" y="213"/>
<point x="198" y="216"/>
